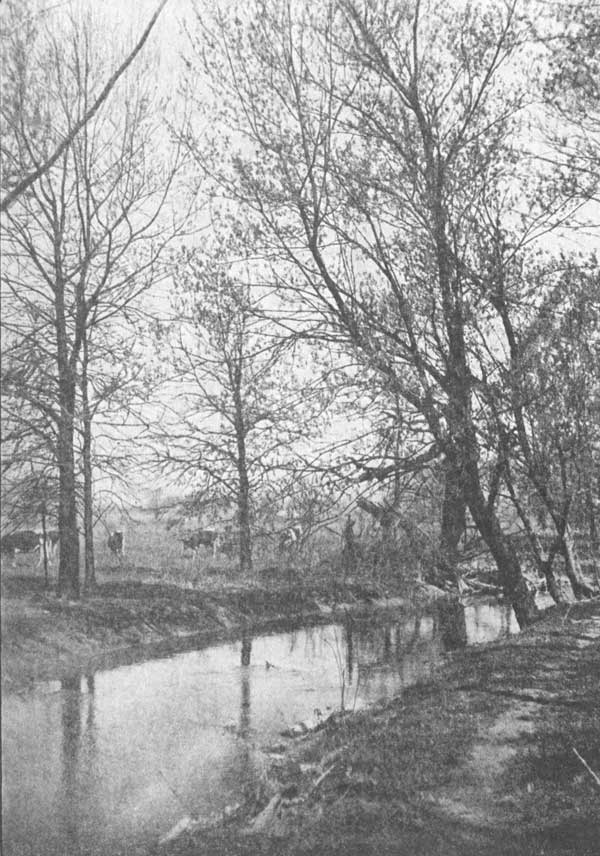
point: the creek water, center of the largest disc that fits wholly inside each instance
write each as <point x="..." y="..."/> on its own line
<point x="109" y="761"/>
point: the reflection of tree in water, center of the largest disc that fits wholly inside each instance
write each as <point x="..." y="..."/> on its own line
<point x="451" y="624"/>
<point x="416" y="634"/>
<point x="78" y="752"/>
<point x="387" y="644"/>
<point x="71" y="739"/>
<point x="245" y="714"/>
<point x="246" y="770"/>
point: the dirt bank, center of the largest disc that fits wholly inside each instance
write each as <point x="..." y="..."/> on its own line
<point x="46" y="638"/>
<point x="498" y="754"/>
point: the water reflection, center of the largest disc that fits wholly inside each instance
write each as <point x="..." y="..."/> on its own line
<point x="112" y="760"/>
<point x="452" y="624"/>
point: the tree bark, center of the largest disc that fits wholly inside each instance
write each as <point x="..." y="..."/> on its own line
<point x="243" y="492"/>
<point x="88" y="510"/>
<point x="68" y="567"/>
<point x="544" y="563"/>
<point x="513" y="582"/>
<point x="44" y="544"/>
<point x="453" y="525"/>
<point x="593" y="530"/>
<point x="573" y="568"/>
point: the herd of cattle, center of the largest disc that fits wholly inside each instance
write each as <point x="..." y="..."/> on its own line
<point x="28" y="541"/>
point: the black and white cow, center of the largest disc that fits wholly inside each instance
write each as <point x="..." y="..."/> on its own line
<point x="208" y="538"/>
<point x="52" y="541"/>
<point x="24" y="541"/>
<point x="116" y="543"/>
<point x="290" y="538"/>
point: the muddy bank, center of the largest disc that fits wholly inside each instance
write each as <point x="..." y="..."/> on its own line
<point x="498" y="754"/>
<point x="46" y="638"/>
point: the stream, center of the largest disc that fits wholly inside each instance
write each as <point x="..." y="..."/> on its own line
<point x="110" y="761"/>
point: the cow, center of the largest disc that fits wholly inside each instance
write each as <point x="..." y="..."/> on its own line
<point x="24" y="541"/>
<point x="115" y="543"/>
<point x="290" y="538"/>
<point x="202" y="538"/>
<point x="52" y="541"/>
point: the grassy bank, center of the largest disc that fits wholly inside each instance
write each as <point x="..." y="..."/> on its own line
<point x="44" y="637"/>
<point x="499" y="754"/>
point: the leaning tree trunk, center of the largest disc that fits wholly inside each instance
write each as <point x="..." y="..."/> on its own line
<point x="88" y="509"/>
<point x="573" y="568"/>
<point x="545" y="567"/>
<point x="462" y="447"/>
<point x="463" y="455"/>
<point x="593" y="530"/>
<point x="504" y="553"/>
<point x="544" y="560"/>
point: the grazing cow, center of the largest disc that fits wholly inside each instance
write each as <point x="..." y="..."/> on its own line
<point x="202" y="538"/>
<point x="115" y="543"/>
<point x="290" y="538"/>
<point x="19" y="542"/>
<point x="52" y="540"/>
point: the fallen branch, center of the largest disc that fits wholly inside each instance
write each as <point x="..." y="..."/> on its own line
<point x="587" y="767"/>
<point x="321" y="778"/>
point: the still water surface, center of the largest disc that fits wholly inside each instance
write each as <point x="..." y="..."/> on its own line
<point x="110" y="761"/>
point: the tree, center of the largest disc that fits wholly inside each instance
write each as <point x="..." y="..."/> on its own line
<point x="555" y="391"/>
<point x="41" y="169"/>
<point x="235" y="423"/>
<point x="372" y="145"/>
<point x="84" y="240"/>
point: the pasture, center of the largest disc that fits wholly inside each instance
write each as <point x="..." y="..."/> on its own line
<point x="154" y="553"/>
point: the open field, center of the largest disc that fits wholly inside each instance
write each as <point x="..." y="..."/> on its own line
<point x="153" y="552"/>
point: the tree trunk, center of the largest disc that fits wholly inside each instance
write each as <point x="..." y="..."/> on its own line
<point x="463" y="454"/>
<point x="244" y="521"/>
<point x="573" y="568"/>
<point x="349" y="551"/>
<point x="462" y="447"/>
<point x="243" y="493"/>
<point x="88" y="511"/>
<point x="513" y="582"/>
<point x="452" y="527"/>
<point x="543" y="563"/>
<point x="44" y="544"/>
<point x="593" y="530"/>
<point x="545" y="567"/>
<point x="68" y="567"/>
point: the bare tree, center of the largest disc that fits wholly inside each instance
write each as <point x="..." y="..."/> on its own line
<point x="16" y="106"/>
<point x="84" y="241"/>
<point x="378" y="156"/>
<point x="237" y="415"/>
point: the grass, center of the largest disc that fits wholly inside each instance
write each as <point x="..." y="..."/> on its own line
<point x="460" y="765"/>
